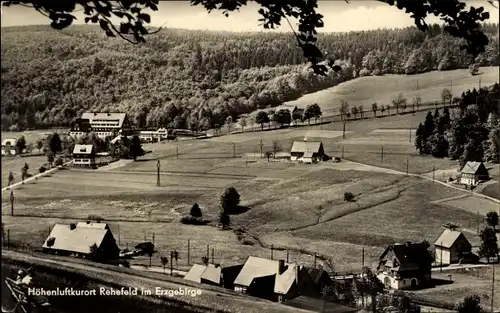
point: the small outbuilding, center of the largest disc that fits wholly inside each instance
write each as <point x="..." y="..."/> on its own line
<point x="307" y="151"/>
<point x="473" y="173"/>
<point x="84" y="156"/>
<point x="452" y="247"/>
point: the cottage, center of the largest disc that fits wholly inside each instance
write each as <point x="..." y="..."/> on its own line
<point x="84" y="156"/>
<point x="9" y="146"/>
<point x="307" y="151"/>
<point x="472" y="173"/>
<point x="405" y="266"/>
<point x="452" y="247"/>
<point x="313" y="282"/>
<point x="74" y="240"/>
<point x="102" y="124"/>
<point x="268" y="279"/>
<point x="298" y="114"/>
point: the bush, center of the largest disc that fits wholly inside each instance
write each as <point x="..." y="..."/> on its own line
<point x="348" y="196"/>
<point x="42" y="169"/>
<point x="248" y="242"/>
<point x="191" y="220"/>
<point x="196" y="211"/>
<point x="95" y="218"/>
<point x="59" y="161"/>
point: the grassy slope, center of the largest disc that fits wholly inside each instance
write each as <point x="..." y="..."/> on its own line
<point x="383" y="89"/>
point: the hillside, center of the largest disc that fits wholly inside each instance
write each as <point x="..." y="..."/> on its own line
<point x="192" y="78"/>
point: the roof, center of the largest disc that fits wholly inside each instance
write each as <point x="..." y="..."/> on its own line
<point x="93" y="116"/>
<point x="78" y="239"/>
<point x="92" y="225"/>
<point x="409" y="253"/>
<point x="306" y="146"/>
<point x="315" y="273"/>
<point x="448" y="238"/>
<point x="195" y="272"/>
<point x="308" y="155"/>
<point x="471" y="167"/>
<point x="284" y="282"/>
<point x="212" y="273"/>
<point x="9" y="141"/>
<point x="256" y="267"/>
<point x="83" y="149"/>
<point x="318" y="305"/>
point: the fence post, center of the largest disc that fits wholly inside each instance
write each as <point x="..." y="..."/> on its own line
<point x="8" y="238"/>
<point x="189" y="262"/>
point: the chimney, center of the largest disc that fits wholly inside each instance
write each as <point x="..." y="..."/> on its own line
<point x="297" y="274"/>
<point x="281" y="266"/>
<point x="72" y="226"/>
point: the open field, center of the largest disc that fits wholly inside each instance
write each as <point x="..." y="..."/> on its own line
<point x="473" y="205"/>
<point x="289" y="206"/>
<point x="14" y="164"/>
<point x="32" y="136"/>
<point x="383" y="89"/>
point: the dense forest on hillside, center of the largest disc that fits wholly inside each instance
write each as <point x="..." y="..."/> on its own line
<point x="196" y="79"/>
<point x="471" y="133"/>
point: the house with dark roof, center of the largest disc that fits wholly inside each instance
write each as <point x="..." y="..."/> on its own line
<point x="307" y="151"/>
<point x="268" y="279"/>
<point x="405" y="266"/>
<point x="473" y="173"/>
<point x="453" y="247"/>
<point x="74" y="240"/>
<point x="84" y="156"/>
<point x="314" y="282"/>
<point x="298" y="114"/>
<point x="102" y="124"/>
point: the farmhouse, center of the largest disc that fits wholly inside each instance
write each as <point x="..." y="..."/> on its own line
<point x="472" y="173"/>
<point x="77" y="240"/>
<point x="405" y="266"/>
<point x="102" y="124"/>
<point x="298" y="114"/>
<point x="452" y="247"/>
<point x="214" y="274"/>
<point x="84" y="156"/>
<point x="9" y="146"/>
<point x="307" y="151"/>
<point x="153" y="135"/>
<point x="268" y="279"/>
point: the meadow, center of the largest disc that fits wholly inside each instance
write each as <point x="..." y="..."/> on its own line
<point x="294" y="207"/>
<point x="383" y="89"/>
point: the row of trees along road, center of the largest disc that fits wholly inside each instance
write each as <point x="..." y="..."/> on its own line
<point x="197" y="79"/>
<point x="469" y="133"/>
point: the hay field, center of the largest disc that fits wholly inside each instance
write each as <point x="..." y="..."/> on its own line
<point x="474" y="205"/>
<point x="383" y="89"/>
<point x="14" y="164"/>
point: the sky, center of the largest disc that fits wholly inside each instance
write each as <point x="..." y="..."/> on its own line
<point x="339" y="16"/>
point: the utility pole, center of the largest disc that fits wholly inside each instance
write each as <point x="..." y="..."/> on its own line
<point x="410" y="136"/>
<point x="177" y="152"/>
<point x="12" y="202"/>
<point x="286" y="256"/>
<point x="314" y="259"/>
<point x="272" y="250"/>
<point x="382" y="154"/>
<point x="342" y="152"/>
<point x="451" y="86"/>
<point x="158" y="165"/>
<point x="261" y="145"/>
<point x="493" y="288"/>
<point x="477" y="223"/>
<point x="234" y="150"/>
<point x="434" y="173"/>
<point x="407" y="162"/>
<point x="171" y="265"/>
<point x="153" y="238"/>
<point x="417" y="84"/>
<point x="189" y="243"/>
<point x="343" y="131"/>
<point x="362" y="276"/>
<point x="208" y="252"/>
<point x="213" y="257"/>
